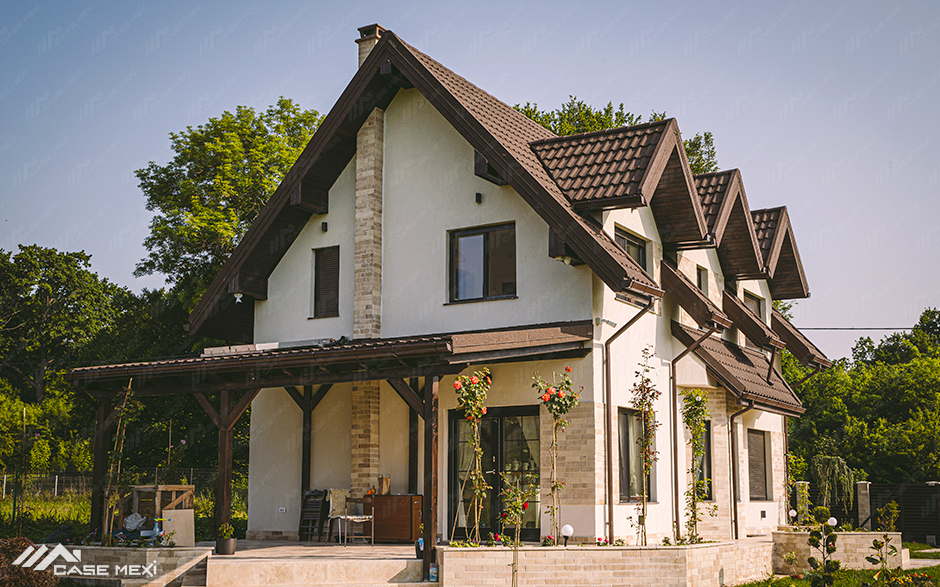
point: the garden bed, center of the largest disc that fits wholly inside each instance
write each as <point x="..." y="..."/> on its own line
<point x="702" y="565"/>
<point x="851" y="550"/>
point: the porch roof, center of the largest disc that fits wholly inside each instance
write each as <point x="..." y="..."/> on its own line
<point x="746" y="373"/>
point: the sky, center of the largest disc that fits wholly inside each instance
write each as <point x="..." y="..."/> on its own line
<point x="828" y="108"/>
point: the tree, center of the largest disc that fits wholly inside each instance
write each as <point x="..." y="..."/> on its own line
<point x="576" y="117"/>
<point x="221" y="176"/>
<point x="50" y="306"/>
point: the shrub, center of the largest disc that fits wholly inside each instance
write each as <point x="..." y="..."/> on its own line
<point x="821" y="514"/>
<point x="887" y="516"/>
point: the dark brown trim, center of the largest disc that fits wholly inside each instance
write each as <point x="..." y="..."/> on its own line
<point x="429" y="503"/>
<point x="751" y="325"/>
<point x="407" y="394"/>
<point x="691" y="299"/>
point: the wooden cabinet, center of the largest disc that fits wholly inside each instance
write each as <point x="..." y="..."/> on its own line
<point x="397" y="518"/>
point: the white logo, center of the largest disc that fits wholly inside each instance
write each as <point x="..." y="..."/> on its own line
<point x="31" y="555"/>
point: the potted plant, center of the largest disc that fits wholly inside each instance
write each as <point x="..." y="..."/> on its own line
<point x="225" y="543"/>
<point x="419" y="543"/>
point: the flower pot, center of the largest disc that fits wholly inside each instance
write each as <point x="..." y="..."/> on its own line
<point x="225" y="545"/>
<point x="419" y="548"/>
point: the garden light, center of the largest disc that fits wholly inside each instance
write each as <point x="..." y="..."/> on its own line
<point x="566" y="532"/>
<point x="832" y="522"/>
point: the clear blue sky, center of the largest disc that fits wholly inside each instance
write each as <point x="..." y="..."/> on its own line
<point x="827" y="108"/>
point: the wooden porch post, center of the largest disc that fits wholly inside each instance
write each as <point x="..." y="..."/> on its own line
<point x="223" y="500"/>
<point x="100" y="464"/>
<point x="307" y="408"/>
<point x="413" y="444"/>
<point x="430" y="471"/>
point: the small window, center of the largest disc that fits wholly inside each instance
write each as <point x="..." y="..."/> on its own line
<point x="756" y="305"/>
<point x="483" y="263"/>
<point x="701" y="275"/>
<point x="324" y="287"/>
<point x="757" y="465"/>
<point x="631" y="463"/>
<point x="703" y="471"/>
<point x="632" y="245"/>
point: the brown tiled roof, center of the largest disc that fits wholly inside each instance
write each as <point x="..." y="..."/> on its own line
<point x="781" y="257"/>
<point x="602" y="165"/>
<point x="749" y="323"/>
<point x="743" y="372"/>
<point x="797" y="343"/>
<point x="712" y="189"/>
<point x="765" y="227"/>
<point x="705" y="313"/>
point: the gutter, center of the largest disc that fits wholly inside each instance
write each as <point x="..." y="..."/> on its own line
<point x="675" y="427"/>
<point x="734" y="465"/>
<point x="608" y="416"/>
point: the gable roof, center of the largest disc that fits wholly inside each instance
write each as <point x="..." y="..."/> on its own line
<point x="746" y="373"/>
<point x="805" y="351"/>
<point x="782" y="263"/>
<point x="705" y="313"/>
<point x="729" y="223"/>
<point x="629" y="167"/>
<point x="500" y="133"/>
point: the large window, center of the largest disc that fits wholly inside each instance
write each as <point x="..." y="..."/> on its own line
<point x="631" y="462"/>
<point x="632" y="245"/>
<point x="704" y="470"/>
<point x="757" y="464"/>
<point x="324" y="286"/>
<point x="483" y="263"/>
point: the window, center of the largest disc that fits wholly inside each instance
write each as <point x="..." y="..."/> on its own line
<point x="483" y="263"/>
<point x="632" y="245"/>
<point x="324" y="286"/>
<point x="757" y="465"/>
<point x="756" y="305"/>
<point x="631" y="463"/>
<point x="704" y="470"/>
<point x="701" y="275"/>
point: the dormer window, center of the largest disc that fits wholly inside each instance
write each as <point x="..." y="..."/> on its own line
<point x="483" y="263"/>
<point x="701" y="279"/>
<point x="632" y="245"/>
<point x="756" y="305"/>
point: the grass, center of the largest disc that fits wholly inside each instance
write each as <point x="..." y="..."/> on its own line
<point x="843" y="579"/>
<point x="917" y="549"/>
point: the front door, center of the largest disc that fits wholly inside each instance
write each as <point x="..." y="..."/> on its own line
<point x="509" y="439"/>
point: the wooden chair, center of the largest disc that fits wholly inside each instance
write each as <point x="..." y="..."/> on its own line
<point x="311" y="515"/>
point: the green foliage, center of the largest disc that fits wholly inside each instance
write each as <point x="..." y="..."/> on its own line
<point x="222" y="174"/>
<point x="835" y="479"/>
<point x="821" y="514"/>
<point x="575" y="117"/>
<point x="517" y="492"/>
<point x="644" y="397"/>
<point x="51" y="305"/>
<point x="803" y="504"/>
<point x="888" y="516"/>
<point x="694" y="415"/>
<point x="880" y="411"/>
<point x="471" y="398"/>
<point x="883" y="549"/>
<point x="823" y="568"/>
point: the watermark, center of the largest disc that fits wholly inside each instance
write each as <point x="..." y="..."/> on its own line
<point x="42" y="558"/>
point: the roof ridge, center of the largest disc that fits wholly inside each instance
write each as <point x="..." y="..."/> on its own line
<point x="593" y="133"/>
<point x="713" y="173"/>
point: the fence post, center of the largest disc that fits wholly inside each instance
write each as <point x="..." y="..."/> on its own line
<point x="4" y="486"/>
<point x="55" y="488"/>
<point x="863" y="495"/>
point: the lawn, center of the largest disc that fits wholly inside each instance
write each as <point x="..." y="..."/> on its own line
<point x="847" y="579"/>
<point x="917" y="549"/>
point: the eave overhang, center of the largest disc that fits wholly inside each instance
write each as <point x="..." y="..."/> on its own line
<point x="691" y="299"/>
<point x="799" y="346"/>
<point x="751" y="325"/>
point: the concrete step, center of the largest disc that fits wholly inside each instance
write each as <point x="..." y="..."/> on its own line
<point x="196" y="576"/>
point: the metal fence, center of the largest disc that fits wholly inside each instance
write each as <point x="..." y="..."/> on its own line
<point x="55" y="483"/>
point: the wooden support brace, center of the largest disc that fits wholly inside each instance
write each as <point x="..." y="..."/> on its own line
<point x="411" y="398"/>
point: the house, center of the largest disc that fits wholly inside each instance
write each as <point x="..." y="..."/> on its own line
<point x="429" y="230"/>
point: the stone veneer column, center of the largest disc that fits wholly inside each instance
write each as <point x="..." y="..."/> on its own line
<point x="367" y="289"/>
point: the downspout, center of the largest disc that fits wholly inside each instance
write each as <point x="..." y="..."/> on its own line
<point x="608" y="413"/>
<point x="734" y="465"/>
<point x="675" y="428"/>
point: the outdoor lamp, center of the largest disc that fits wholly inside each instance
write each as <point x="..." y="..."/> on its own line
<point x="566" y="532"/>
<point x="792" y="514"/>
<point x="832" y="522"/>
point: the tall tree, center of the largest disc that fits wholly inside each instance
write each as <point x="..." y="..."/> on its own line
<point x="51" y="304"/>
<point x="576" y="117"/>
<point x="205" y="199"/>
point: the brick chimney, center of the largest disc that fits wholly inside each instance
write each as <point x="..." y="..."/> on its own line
<point x="368" y="36"/>
<point x="367" y="289"/>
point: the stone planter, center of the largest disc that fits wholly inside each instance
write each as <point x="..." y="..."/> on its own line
<point x="225" y="546"/>
<point x="851" y="550"/>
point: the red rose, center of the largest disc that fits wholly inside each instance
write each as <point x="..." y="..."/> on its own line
<point x="525" y="506"/>
<point x="561" y="393"/>
<point x="551" y="391"/>
<point x="457" y="384"/>
<point x="469" y="416"/>
<point x="483" y="410"/>
<point x="474" y="379"/>
<point x="567" y="369"/>
<point x="489" y="381"/>
<point x="545" y="397"/>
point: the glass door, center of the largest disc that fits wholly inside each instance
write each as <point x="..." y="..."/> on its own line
<point x="509" y="439"/>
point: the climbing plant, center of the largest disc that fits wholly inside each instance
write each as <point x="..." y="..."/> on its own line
<point x="518" y="491"/>
<point x="471" y="398"/>
<point x="694" y="415"/>
<point x="835" y="479"/>
<point x="558" y="398"/>
<point x="644" y="397"/>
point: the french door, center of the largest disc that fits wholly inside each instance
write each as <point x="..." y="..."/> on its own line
<point x="509" y="439"/>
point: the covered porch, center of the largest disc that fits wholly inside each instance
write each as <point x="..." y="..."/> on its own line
<point x="224" y="382"/>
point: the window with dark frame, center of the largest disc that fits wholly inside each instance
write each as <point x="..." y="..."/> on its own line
<point x="701" y="275"/>
<point x="483" y="263"/>
<point x="325" y="286"/>
<point x="630" y="427"/>
<point x="704" y="470"/>
<point x="757" y="465"/>
<point x="632" y="245"/>
<point x="756" y="305"/>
